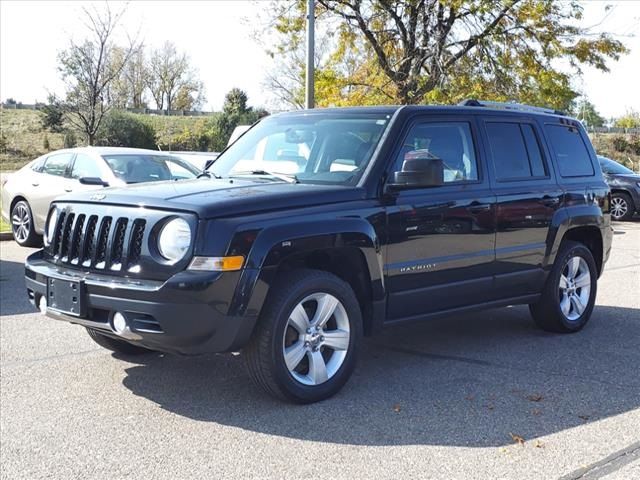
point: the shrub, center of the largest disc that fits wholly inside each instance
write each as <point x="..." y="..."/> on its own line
<point x="52" y="115"/>
<point x="120" y="129"/>
<point x="45" y="144"/>
<point x="620" y="143"/>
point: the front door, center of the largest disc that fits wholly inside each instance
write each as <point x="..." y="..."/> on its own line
<point x="528" y="196"/>
<point x="51" y="182"/>
<point x="440" y="246"/>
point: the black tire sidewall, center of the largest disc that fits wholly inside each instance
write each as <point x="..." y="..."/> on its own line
<point x="573" y="251"/>
<point x="343" y="292"/>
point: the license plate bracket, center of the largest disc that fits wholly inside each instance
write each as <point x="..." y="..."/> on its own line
<point x="66" y="296"/>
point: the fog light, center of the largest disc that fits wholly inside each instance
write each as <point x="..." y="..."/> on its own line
<point x="42" y="304"/>
<point x="119" y="323"/>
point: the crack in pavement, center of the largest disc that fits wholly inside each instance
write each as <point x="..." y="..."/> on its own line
<point x="607" y="465"/>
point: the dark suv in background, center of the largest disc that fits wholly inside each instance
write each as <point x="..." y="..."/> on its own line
<point x="316" y="227"/>
<point x="625" y="188"/>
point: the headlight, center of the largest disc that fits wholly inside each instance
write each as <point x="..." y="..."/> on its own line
<point x="51" y="227"/>
<point x="174" y="239"/>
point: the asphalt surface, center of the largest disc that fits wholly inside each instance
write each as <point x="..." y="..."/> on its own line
<point x="449" y="399"/>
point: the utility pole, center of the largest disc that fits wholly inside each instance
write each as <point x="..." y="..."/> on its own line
<point x="309" y="93"/>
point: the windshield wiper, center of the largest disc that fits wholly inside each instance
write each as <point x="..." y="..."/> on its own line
<point x="208" y="174"/>
<point x="285" y="177"/>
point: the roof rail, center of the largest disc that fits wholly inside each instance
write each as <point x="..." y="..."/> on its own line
<point x="519" y="107"/>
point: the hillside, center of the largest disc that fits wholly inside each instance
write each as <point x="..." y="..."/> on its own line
<point x="22" y="138"/>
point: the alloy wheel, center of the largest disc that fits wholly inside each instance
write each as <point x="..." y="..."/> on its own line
<point x="21" y="222"/>
<point x="574" y="288"/>
<point x="619" y="207"/>
<point x="316" y="339"/>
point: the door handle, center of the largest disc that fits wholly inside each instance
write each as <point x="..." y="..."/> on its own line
<point x="479" y="207"/>
<point x="35" y="184"/>
<point x="68" y="189"/>
<point x="550" y="201"/>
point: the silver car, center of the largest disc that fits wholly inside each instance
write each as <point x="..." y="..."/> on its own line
<point x="27" y="193"/>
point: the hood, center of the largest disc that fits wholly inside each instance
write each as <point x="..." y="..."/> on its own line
<point x="624" y="178"/>
<point x="211" y="198"/>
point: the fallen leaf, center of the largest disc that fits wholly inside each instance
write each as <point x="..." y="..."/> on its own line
<point x="396" y="407"/>
<point x="534" y="397"/>
<point x="539" y="444"/>
<point x="491" y="406"/>
<point x="536" y="411"/>
<point x="584" y="417"/>
<point x="470" y="397"/>
<point x="517" y="439"/>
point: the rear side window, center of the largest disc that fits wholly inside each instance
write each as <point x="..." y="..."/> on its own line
<point x="57" y="164"/>
<point x="515" y="151"/>
<point x="571" y="152"/>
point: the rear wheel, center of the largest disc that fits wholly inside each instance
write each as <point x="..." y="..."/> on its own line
<point x="305" y="345"/>
<point x="22" y="225"/>
<point x="621" y="206"/>
<point x="569" y="295"/>
<point x="115" y="345"/>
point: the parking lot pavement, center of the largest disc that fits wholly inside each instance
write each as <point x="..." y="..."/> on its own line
<point x="454" y="398"/>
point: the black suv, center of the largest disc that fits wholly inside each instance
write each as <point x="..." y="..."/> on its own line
<point x="625" y="188"/>
<point x="317" y="227"/>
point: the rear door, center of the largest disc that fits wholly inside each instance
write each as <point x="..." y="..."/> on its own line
<point x="440" y="246"/>
<point x="51" y="182"/>
<point x="528" y="196"/>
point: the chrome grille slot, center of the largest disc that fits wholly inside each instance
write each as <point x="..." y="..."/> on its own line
<point x="135" y="246"/>
<point x="65" y="241"/>
<point x="74" y="247"/>
<point x="101" y="243"/>
<point x="88" y="249"/>
<point x="57" y="238"/>
<point x="117" y="246"/>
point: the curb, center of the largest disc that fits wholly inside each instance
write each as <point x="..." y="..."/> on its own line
<point x="4" y="236"/>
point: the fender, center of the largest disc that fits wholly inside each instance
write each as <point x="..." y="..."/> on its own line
<point x="566" y="219"/>
<point x="276" y="244"/>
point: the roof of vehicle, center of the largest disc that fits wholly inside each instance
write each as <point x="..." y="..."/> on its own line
<point x="468" y="106"/>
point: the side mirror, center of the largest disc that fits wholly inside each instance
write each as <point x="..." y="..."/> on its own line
<point x="93" y="181"/>
<point x="420" y="169"/>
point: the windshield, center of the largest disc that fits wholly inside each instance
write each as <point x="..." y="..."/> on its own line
<point x="317" y="148"/>
<point x="138" y="168"/>
<point x="613" y="168"/>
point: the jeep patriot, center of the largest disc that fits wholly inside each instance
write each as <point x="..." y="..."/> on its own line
<point x="318" y="227"/>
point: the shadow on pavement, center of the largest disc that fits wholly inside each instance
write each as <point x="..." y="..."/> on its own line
<point x="469" y="380"/>
<point x="13" y="294"/>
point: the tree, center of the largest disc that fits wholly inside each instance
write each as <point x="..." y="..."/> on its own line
<point x="417" y="51"/>
<point x="121" y="129"/>
<point x="171" y="74"/>
<point x="52" y="115"/>
<point x="235" y="111"/>
<point x="630" y="120"/>
<point x="89" y="69"/>
<point x="586" y="112"/>
<point x="235" y="102"/>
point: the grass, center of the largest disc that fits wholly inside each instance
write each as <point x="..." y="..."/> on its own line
<point x="4" y="226"/>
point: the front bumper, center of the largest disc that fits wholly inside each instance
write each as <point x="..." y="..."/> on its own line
<point x="187" y="314"/>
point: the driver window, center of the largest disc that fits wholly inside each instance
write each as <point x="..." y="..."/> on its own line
<point x="450" y="141"/>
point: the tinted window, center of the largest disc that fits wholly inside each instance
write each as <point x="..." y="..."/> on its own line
<point x="85" y="166"/>
<point x="57" y="164"/>
<point x="451" y="142"/>
<point x="515" y="151"/>
<point x="571" y="152"/>
<point x="138" y="168"/>
<point x="614" y="168"/>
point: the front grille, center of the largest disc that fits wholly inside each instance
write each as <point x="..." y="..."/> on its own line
<point x="98" y="242"/>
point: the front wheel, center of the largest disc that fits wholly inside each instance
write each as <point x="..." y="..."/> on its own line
<point x="621" y="206"/>
<point x="305" y="345"/>
<point x="22" y="225"/>
<point x="569" y="295"/>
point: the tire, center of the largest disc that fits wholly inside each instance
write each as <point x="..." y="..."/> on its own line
<point x="320" y="361"/>
<point x="552" y="312"/>
<point x="115" y="345"/>
<point x="622" y="207"/>
<point x="22" y="225"/>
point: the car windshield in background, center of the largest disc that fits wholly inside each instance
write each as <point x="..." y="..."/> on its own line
<point x="318" y="148"/>
<point x="139" y="168"/>
<point x="614" y="168"/>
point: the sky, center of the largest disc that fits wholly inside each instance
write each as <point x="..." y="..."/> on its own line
<point x="219" y="38"/>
